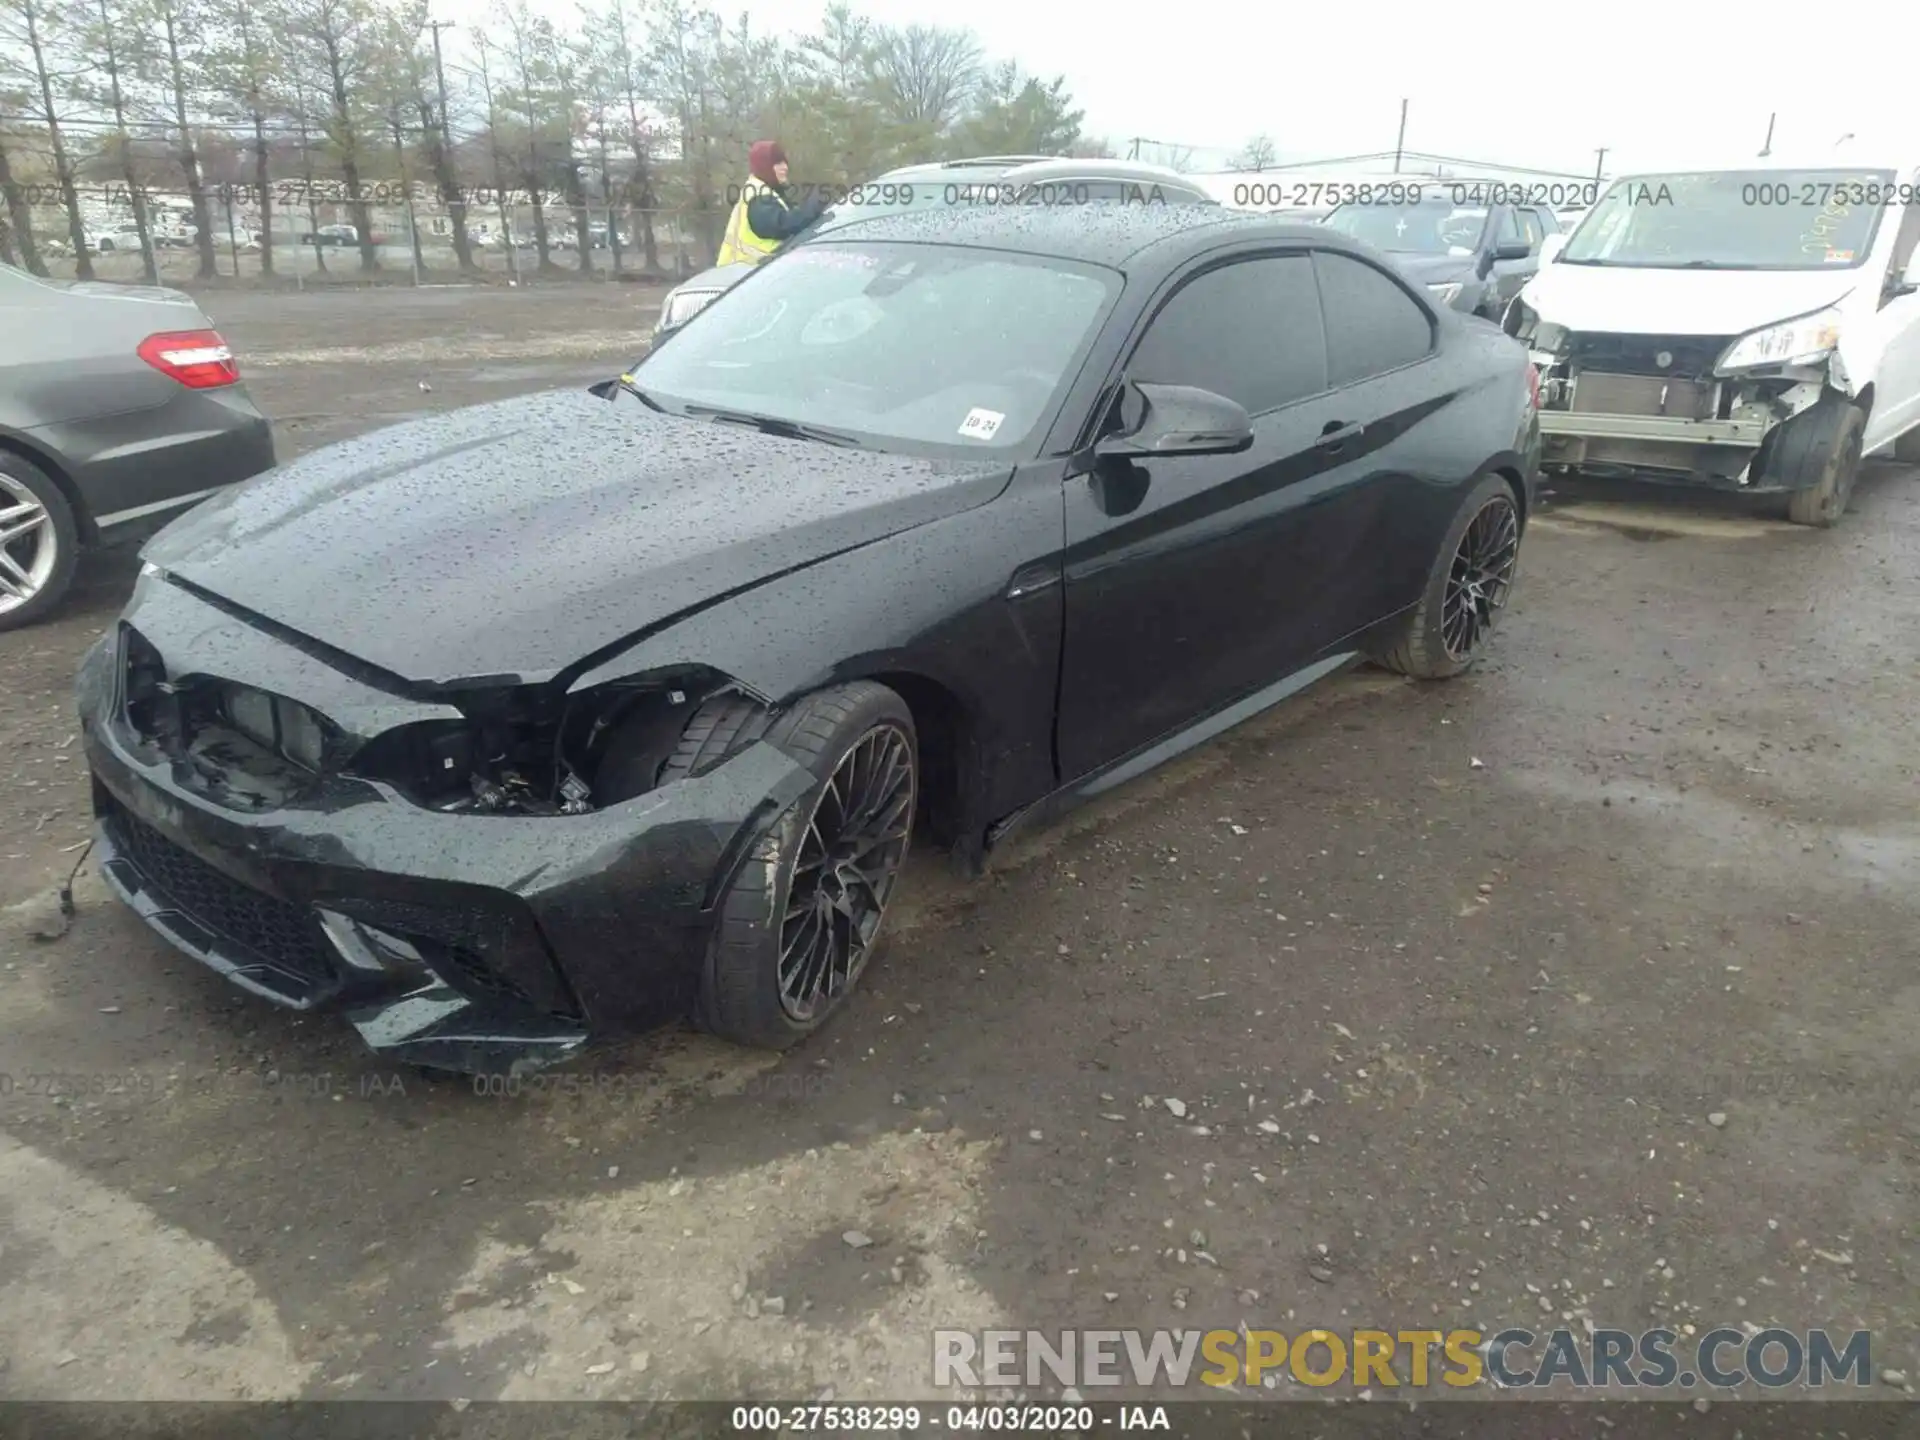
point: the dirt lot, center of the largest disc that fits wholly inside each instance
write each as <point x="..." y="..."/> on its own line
<point x="1484" y="956"/>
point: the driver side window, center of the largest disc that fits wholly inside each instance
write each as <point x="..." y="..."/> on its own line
<point x="1250" y="330"/>
<point x="1506" y="231"/>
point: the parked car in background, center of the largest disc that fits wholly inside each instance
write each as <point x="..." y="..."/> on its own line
<point x="119" y="406"/>
<point x="1472" y="257"/>
<point x="108" y="242"/>
<point x="1053" y="508"/>
<point x="1754" y="328"/>
<point x="1029" y="182"/>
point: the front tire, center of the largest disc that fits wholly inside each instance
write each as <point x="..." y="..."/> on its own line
<point x="800" y="919"/>
<point x="1817" y="455"/>
<point x="39" y="542"/>
<point x="1468" y="586"/>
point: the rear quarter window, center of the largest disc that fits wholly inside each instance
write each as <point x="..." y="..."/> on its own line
<point x="1373" y="325"/>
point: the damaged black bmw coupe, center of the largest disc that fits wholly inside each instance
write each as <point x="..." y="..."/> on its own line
<point x="566" y="715"/>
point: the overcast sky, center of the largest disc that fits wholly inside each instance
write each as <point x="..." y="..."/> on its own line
<point x="1534" y="83"/>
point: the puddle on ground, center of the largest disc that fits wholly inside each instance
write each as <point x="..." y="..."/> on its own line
<point x="1715" y="833"/>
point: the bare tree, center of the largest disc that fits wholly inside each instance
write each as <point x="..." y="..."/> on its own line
<point x="621" y="70"/>
<point x="337" y="45"/>
<point x="438" y="128"/>
<point x="104" y="37"/>
<point x="1258" y="155"/>
<point x="31" y="29"/>
<point x="179" y="26"/>
<point x="483" y="71"/>
<point x="243" y="67"/>
<point x="682" y="39"/>
<point x="526" y="40"/>
<point x="925" y="74"/>
<point x="566" y="69"/>
<point x="19" y="214"/>
<point x="302" y="109"/>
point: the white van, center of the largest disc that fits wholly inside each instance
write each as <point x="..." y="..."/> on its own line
<point x="1754" y="328"/>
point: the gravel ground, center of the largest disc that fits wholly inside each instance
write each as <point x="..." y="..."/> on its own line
<point x="1447" y="980"/>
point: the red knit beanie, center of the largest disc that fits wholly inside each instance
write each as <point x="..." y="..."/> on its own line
<point x="761" y="159"/>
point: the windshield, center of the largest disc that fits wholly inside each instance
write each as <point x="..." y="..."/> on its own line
<point x="1426" y="228"/>
<point x="1735" y="220"/>
<point x="885" y="197"/>
<point x="923" y="347"/>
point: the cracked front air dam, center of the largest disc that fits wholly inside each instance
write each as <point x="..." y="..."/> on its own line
<point x="620" y="898"/>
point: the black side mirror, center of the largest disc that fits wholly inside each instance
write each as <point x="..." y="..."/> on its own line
<point x="1511" y="250"/>
<point x="1178" y="420"/>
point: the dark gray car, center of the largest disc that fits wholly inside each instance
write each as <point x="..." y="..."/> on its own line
<point x="120" y="406"/>
<point x="1471" y="256"/>
<point x="1038" y="181"/>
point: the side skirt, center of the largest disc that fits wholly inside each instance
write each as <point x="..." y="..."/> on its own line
<point x="1073" y="795"/>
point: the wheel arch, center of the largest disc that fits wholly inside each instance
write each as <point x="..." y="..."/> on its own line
<point x="1516" y="482"/>
<point x="13" y="443"/>
<point x="947" y="739"/>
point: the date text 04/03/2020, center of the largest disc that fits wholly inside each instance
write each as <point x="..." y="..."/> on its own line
<point x="892" y="1419"/>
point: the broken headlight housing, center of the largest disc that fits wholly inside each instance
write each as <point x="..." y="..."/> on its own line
<point x="286" y="727"/>
<point x="1807" y="340"/>
<point x="537" y="751"/>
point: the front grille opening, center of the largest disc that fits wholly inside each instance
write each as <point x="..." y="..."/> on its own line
<point x="284" y="935"/>
<point x="467" y="972"/>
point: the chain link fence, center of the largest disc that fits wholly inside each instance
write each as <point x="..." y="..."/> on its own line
<point x="311" y="233"/>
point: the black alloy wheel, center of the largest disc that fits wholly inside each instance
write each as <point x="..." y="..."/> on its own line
<point x="1480" y="577"/>
<point x="1470" y="582"/>
<point x="850" y="856"/>
<point x="798" y="922"/>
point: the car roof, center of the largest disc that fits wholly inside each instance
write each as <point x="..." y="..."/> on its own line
<point x="1102" y="234"/>
<point x="1099" y="169"/>
<point x="994" y="165"/>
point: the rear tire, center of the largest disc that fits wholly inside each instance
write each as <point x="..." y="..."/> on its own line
<point x="1817" y="456"/>
<point x="1471" y="579"/>
<point x="799" y="920"/>
<point x="37" y="562"/>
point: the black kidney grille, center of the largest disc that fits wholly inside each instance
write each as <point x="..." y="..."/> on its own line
<point x="285" y="935"/>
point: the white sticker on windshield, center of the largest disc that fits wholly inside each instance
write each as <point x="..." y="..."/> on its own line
<point x="980" y="424"/>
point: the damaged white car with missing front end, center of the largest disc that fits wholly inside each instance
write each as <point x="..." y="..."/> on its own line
<point x="1753" y="329"/>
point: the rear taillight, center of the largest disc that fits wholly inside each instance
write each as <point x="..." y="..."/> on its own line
<point x="1533" y="385"/>
<point x="198" y="359"/>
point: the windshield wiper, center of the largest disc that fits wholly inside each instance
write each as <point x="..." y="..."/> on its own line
<point x="626" y="384"/>
<point x="774" y="425"/>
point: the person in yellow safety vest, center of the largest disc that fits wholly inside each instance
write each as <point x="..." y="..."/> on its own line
<point x="762" y="220"/>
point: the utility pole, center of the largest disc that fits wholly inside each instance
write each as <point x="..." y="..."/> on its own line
<point x="440" y="75"/>
<point x="1133" y="151"/>
<point x="1766" y="149"/>
<point x="1401" y="143"/>
<point x="456" y="203"/>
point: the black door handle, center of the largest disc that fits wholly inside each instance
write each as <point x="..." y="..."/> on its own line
<point x="1336" y="435"/>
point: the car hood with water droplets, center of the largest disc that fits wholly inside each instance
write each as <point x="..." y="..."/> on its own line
<point x="515" y="539"/>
